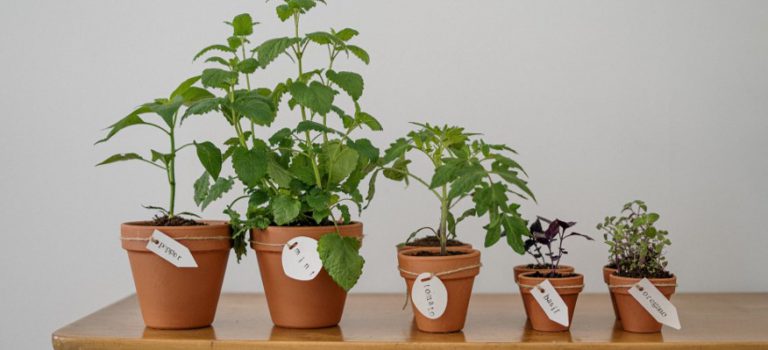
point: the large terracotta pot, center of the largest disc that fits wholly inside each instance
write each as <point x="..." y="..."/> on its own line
<point x="634" y="318"/>
<point x="567" y="287"/>
<point x="458" y="285"/>
<point x="521" y="269"/>
<point x="172" y="297"/>
<point x="607" y="271"/>
<point x="317" y="303"/>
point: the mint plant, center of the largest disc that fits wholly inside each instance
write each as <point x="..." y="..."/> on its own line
<point x="636" y="246"/>
<point x="465" y="167"/>
<point x="167" y="111"/>
<point x="307" y="175"/>
<point x="546" y="246"/>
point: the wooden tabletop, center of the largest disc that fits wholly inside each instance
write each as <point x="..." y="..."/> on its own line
<point x="376" y="321"/>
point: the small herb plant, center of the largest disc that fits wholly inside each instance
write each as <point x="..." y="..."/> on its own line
<point x="465" y="167"/>
<point x="307" y="175"/>
<point x="167" y="110"/>
<point x="636" y="246"/>
<point x="546" y="246"/>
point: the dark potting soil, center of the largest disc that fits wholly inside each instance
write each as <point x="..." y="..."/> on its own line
<point x="639" y="274"/>
<point x="539" y="266"/>
<point x="433" y="241"/>
<point x="551" y="275"/>
<point x="426" y="253"/>
<point x="174" y="221"/>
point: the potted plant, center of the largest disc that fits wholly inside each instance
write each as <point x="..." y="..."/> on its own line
<point x="534" y="247"/>
<point x="172" y="297"/>
<point x="637" y="250"/>
<point x="464" y="167"/>
<point x="301" y="183"/>
<point x="548" y="245"/>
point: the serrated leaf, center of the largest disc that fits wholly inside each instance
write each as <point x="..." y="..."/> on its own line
<point x="165" y="158"/>
<point x="219" y="188"/>
<point x="285" y="209"/>
<point x="341" y="259"/>
<point x="338" y="161"/>
<point x="256" y="110"/>
<point x="195" y="94"/>
<point x="359" y="53"/>
<point x="398" y="171"/>
<point x="316" y="96"/>
<point x="309" y="125"/>
<point x="203" y="106"/>
<point x="243" y="25"/>
<point x="366" y="149"/>
<point x="121" y="158"/>
<point x="515" y="231"/>
<point x="345" y="217"/>
<point x="218" y="78"/>
<point x="201" y="188"/>
<point x="444" y="174"/>
<point x="218" y="60"/>
<point x="166" y="109"/>
<point x="250" y="165"/>
<point x="222" y="48"/>
<point x="347" y="34"/>
<point x="511" y="177"/>
<point x="278" y="174"/>
<point x="369" y="121"/>
<point x="466" y="182"/>
<point x="248" y="65"/>
<point x="184" y="86"/>
<point x="350" y="82"/>
<point x="324" y="38"/>
<point x="210" y="157"/>
<point x="271" y="49"/>
<point x="396" y="150"/>
<point x="301" y="167"/>
<point x="129" y="120"/>
<point x="284" y="12"/>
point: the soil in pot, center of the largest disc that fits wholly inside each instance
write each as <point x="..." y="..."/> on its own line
<point x="457" y="271"/>
<point x="568" y="286"/>
<point x="432" y="241"/>
<point x="317" y="303"/>
<point x="634" y="318"/>
<point x="607" y="271"/>
<point x="521" y="269"/>
<point x="178" y="298"/>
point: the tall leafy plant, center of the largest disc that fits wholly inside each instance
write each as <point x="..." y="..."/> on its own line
<point x="167" y="111"/>
<point x="306" y="175"/>
<point x="465" y="167"/>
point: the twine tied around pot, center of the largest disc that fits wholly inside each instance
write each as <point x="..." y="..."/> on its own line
<point x="438" y="274"/>
<point x="283" y="244"/>
<point x="186" y="238"/>
<point x="556" y="287"/>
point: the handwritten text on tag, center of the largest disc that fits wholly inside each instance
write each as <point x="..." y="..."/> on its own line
<point x="651" y="299"/>
<point x="551" y="302"/>
<point x="170" y="250"/>
<point x="301" y="261"/>
<point x="429" y="295"/>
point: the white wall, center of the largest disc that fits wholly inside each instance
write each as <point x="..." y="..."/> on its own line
<point x="606" y="101"/>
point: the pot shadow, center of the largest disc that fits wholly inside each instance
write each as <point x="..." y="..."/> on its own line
<point x="330" y="334"/>
<point x="619" y="335"/>
<point x="531" y="335"/>
<point x="206" y="333"/>
<point x="418" y="336"/>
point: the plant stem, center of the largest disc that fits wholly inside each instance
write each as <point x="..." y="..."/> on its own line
<point x="172" y="170"/>
<point x="443" y="221"/>
<point x="299" y="59"/>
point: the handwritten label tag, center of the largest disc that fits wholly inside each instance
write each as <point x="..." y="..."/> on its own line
<point x="429" y="295"/>
<point x="301" y="261"/>
<point x="551" y="302"/>
<point x="170" y="250"/>
<point x="651" y="299"/>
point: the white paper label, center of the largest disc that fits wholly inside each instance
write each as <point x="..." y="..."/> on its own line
<point x="651" y="299"/>
<point x="170" y="250"/>
<point x="301" y="261"/>
<point x="551" y="302"/>
<point x="429" y="295"/>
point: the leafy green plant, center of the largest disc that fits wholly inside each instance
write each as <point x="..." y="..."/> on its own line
<point x="546" y="246"/>
<point x="167" y="110"/>
<point x="307" y="175"/>
<point x="465" y="167"/>
<point x="636" y="246"/>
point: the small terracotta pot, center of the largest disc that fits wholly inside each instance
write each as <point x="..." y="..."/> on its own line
<point x="607" y="271"/>
<point x="172" y="297"/>
<point x="458" y="285"/>
<point x="634" y="318"/>
<point x="407" y="247"/>
<point x="568" y="288"/>
<point x="521" y="269"/>
<point x="318" y="303"/>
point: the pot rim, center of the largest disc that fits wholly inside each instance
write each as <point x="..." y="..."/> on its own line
<point x="533" y="269"/>
<point x="637" y="279"/>
<point x="307" y="228"/>
<point x="561" y="289"/>
<point x="209" y="224"/>
<point x="472" y="252"/>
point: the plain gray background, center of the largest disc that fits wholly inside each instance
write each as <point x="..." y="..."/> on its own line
<point x="606" y="101"/>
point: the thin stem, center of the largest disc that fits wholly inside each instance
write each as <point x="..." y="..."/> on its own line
<point x="299" y="52"/>
<point x="443" y="221"/>
<point x="417" y="179"/>
<point x="172" y="171"/>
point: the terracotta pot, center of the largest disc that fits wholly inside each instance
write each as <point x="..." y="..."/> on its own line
<point x="521" y="269"/>
<point x="569" y="289"/>
<point x="607" y="271"/>
<point x="172" y="297"/>
<point x="634" y="318"/>
<point x="407" y="247"/>
<point x="458" y="285"/>
<point x="318" y="303"/>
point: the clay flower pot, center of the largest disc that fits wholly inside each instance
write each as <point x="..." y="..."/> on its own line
<point x="634" y="318"/>
<point x="406" y="247"/>
<point x="172" y="297"/>
<point x="521" y="269"/>
<point x="458" y="285"/>
<point x="607" y="271"/>
<point x="568" y="288"/>
<point x="317" y="303"/>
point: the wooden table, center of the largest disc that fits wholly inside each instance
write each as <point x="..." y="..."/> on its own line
<point x="375" y="321"/>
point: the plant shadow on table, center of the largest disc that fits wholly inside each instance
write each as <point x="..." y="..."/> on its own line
<point x="206" y="333"/>
<point x="530" y="335"/>
<point x="331" y="334"/>
<point x="418" y="336"/>
<point x="619" y="335"/>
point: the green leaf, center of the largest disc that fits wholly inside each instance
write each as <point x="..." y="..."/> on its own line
<point x="271" y="49"/>
<point x="445" y="174"/>
<point x="256" y="110"/>
<point x="223" y="48"/>
<point x="284" y="209"/>
<point x="316" y="96"/>
<point x="318" y="199"/>
<point x="210" y="157"/>
<point x="201" y="188"/>
<point x="184" y="86"/>
<point x="492" y="236"/>
<point x="203" y="107"/>
<point x="219" y="60"/>
<point x="280" y="136"/>
<point x="366" y="149"/>
<point x="396" y="150"/>
<point x="359" y="53"/>
<point x="165" y="158"/>
<point x="166" y="109"/>
<point x="219" y="188"/>
<point x="243" y="25"/>
<point x="466" y="182"/>
<point x="121" y="158"/>
<point x="347" y="34"/>
<point x="398" y="171"/>
<point x="309" y="125"/>
<point x="324" y="38"/>
<point x="280" y="175"/>
<point x="338" y="161"/>
<point x="195" y="94"/>
<point x="515" y="230"/>
<point x="511" y="177"/>
<point x="345" y="217"/>
<point x="350" y="82"/>
<point x="248" y="65"/>
<point x="129" y="120"/>
<point x="250" y="165"/>
<point x="301" y="167"/>
<point x="341" y="259"/>
<point x="258" y="198"/>
<point x="218" y="78"/>
<point x="284" y="12"/>
<point x="369" y="121"/>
